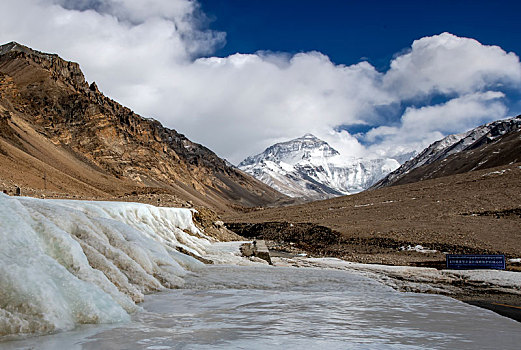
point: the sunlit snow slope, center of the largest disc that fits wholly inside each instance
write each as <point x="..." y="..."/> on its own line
<point x="64" y="263"/>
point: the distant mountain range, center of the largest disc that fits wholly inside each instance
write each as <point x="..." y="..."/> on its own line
<point x="310" y="168"/>
<point x="61" y="137"/>
<point x="490" y="145"/>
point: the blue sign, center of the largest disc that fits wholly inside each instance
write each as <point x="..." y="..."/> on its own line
<point x="467" y="262"/>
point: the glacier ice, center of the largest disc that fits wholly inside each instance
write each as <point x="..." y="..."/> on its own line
<point x="65" y="262"/>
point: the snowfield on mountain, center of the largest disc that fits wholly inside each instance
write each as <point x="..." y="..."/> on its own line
<point x="310" y="168"/>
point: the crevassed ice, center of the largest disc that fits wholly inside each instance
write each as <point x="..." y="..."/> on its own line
<point x="64" y="262"/>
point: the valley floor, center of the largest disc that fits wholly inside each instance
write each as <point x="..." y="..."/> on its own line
<point x="478" y="212"/>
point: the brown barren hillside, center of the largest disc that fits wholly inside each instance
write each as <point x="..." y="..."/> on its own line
<point x="473" y="212"/>
<point x="61" y="137"/>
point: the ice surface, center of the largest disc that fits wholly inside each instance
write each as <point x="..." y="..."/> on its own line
<point x="64" y="263"/>
<point x="424" y="279"/>
<point x="267" y="307"/>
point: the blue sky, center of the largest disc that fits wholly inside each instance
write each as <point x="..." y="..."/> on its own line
<point x="348" y="31"/>
<point x="352" y="31"/>
<point x="373" y="78"/>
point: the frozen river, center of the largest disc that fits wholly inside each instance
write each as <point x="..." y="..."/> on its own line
<point x="231" y="307"/>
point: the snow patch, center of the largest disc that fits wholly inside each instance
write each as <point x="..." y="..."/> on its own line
<point x="417" y="248"/>
<point x="499" y="172"/>
<point x="363" y="205"/>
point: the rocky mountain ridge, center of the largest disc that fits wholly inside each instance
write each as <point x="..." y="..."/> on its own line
<point x="49" y="111"/>
<point x="489" y="145"/>
<point x="310" y="168"/>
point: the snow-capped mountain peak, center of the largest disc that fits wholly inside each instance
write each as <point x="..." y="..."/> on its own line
<point x="309" y="167"/>
<point x="294" y="151"/>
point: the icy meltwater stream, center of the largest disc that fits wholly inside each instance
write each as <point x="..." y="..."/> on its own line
<point x="261" y="307"/>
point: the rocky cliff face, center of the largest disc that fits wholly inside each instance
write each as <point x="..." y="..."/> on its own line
<point x="310" y="168"/>
<point x="45" y="102"/>
<point x="490" y="145"/>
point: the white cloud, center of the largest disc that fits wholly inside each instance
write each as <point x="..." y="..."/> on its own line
<point x="183" y="15"/>
<point x="254" y="101"/>
<point x="421" y="126"/>
<point x="144" y="54"/>
<point x="446" y="63"/>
